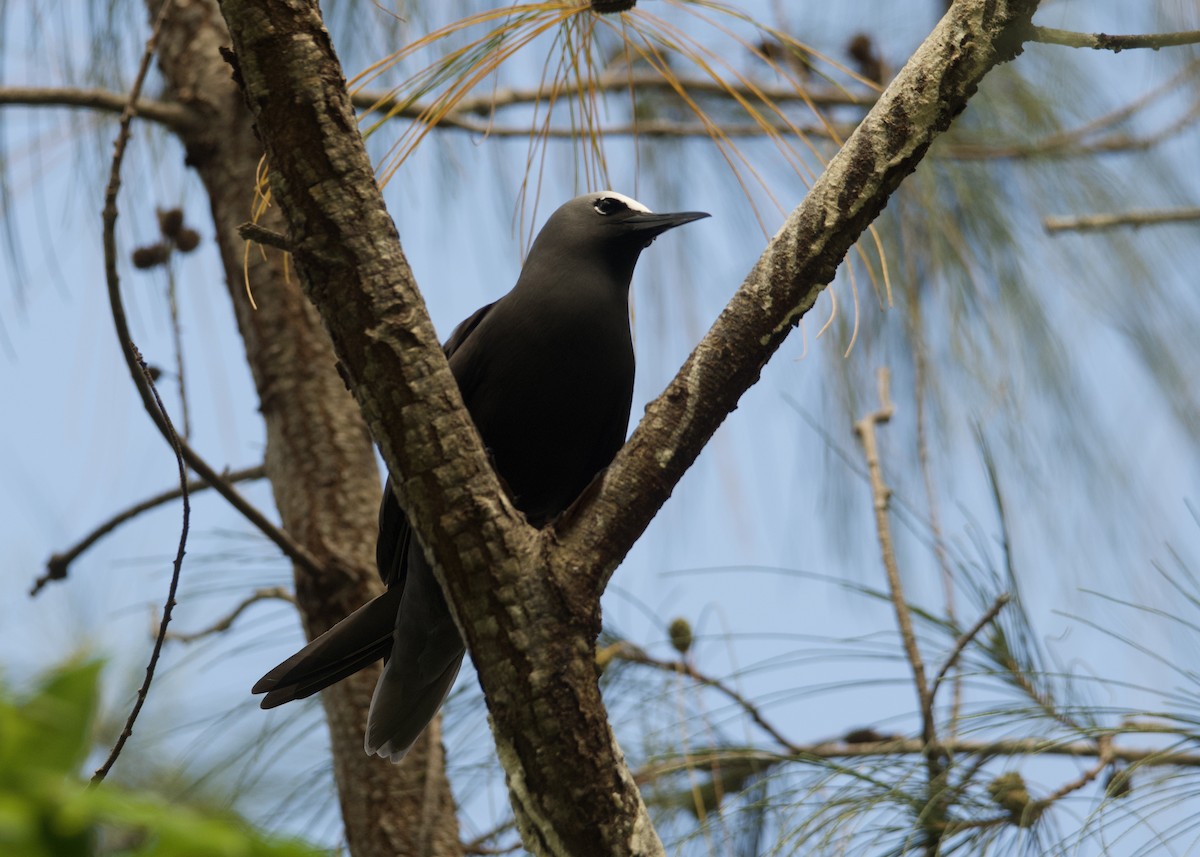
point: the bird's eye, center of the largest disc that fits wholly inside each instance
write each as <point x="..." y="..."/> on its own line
<point x="607" y="205"/>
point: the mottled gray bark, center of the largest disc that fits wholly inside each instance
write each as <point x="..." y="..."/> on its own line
<point x="318" y="457"/>
<point x="528" y="601"/>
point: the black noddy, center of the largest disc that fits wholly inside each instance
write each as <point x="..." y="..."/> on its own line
<point x="546" y="373"/>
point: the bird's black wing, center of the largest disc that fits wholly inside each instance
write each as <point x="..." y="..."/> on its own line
<point x="367" y="634"/>
<point x="391" y="551"/>
<point x="465" y="328"/>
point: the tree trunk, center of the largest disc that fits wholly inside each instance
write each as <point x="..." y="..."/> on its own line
<point x="319" y="456"/>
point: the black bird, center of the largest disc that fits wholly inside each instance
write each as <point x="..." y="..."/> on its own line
<point x="546" y="373"/>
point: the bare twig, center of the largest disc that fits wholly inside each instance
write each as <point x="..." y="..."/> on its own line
<point x="642" y="128"/>
<point x="962" y="642"/>
<point x="58" y="566"/>
<point x="271" y="593"/>
<point x="619" y="84"/>
<point x="1116" y="44"/>
<point x="865" y="429"/>
<point x="1104" y="758"/>
<point x="934" y="816"/>
<point x="168" y="113"/>
<point x="177" y="343"/>
<point x="838" y="750"/>
<point x="1097" y="222"/>
<point x="264" y="236"/>
<point x="478" y="844"/>
<point x="141" y="375"/>
<point x="628" y="652"/>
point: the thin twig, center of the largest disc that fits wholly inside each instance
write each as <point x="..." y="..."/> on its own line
<point x="177" y="344"/>
<point x="865" y="429"/>
<point x="141" y="375"/>
<point x="1097" y="222"/>
<point x="1104" y="758"/>
<point x="266" y="237"/>
<point x="642" y="128"/>
<point x="271" y="593"/>
<point x="619" y="84"/>
<point x="1116" y="44"/>
<point x="962" y="642"/>
<point x="934" y="815"/>
<point x="837" y="750"/>
<point x="477" y="846"/>
<point x="58" y="566"/>
<point x="633" y="654"/>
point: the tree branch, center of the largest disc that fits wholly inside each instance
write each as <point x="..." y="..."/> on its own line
<point x="1116" y="44"/>
<point x="962" y="642"/>
<point x="169" y="113"/>
<point x="1018" y="747"/>
<point x="1099" y="222"/>
<point x="145" y="385"/>
<point x="58" y="566"/>
<point x="271" y="593"/>
<point x="881" y="494"/>
<point x="619" y="84"/>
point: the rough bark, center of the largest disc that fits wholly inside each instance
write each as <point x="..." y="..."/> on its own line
<point x="528" y="601"/>
<point x="318" y="457"/>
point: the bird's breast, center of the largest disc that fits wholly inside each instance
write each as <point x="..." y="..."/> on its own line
<point x="550" y="393"/>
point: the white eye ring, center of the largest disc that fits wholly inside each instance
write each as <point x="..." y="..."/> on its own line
<point x="608" y="197"/>
<point x="607" y="205"/>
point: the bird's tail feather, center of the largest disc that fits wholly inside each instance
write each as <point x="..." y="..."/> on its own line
<point x="403" y="705"/>
<point x="356" y="642"/>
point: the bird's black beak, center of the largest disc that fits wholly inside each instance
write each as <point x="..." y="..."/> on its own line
<point x="650" y="226"/>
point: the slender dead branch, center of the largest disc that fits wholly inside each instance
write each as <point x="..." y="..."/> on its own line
<point x="264" y="236"/>
<point x="1104" y="758"/>
<point x="1144" y="757"/>
<point x="1098" y="222"/>
<point x="1116" y="44"/>
<point x="933" y="817"/>
<point x="169" y="113"/>
<point x="479" y="845"/>
<point x="970" y="634"/>
<point x="641" y="128"/>
<point x="881" y="494"/>
<point x="618" y="84"/>
<point x="271" y="593"/>
<point x="145" y="383"/>
<point x="58" y="566"/>
<point x="177" y="346"/>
